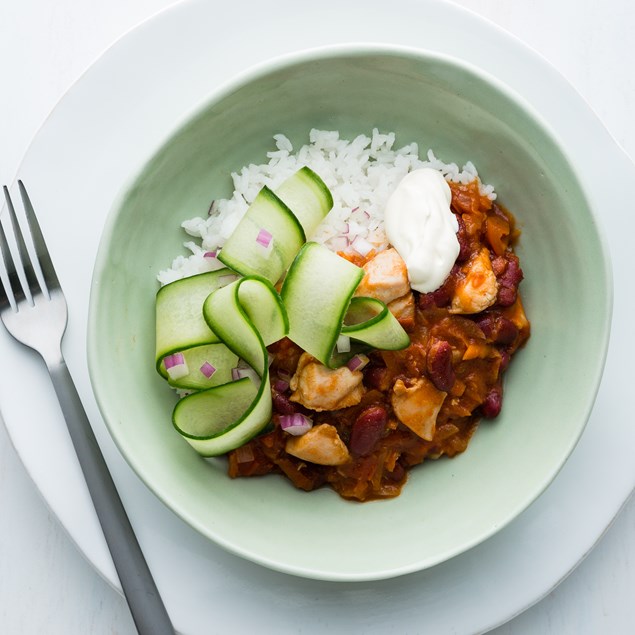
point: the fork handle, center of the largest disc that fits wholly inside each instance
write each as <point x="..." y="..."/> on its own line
<point x="147" y="608"/>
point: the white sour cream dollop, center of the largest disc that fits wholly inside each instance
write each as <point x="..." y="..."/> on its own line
<point x="421" y="227"/>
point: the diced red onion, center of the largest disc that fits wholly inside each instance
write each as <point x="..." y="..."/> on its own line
<point x="175" y="366"/>
<point x="357" y="362"/>
<point x="285" y="375"/>
<point x="264" y="238"/>
<point x="343" y="344"/>
<point x="173" y="360"/>
<point x="354" y="210"/>
<point x="296" y="424"/>
<point x="361" y="246"/>
<point x="207" y="369"/>
<point x="281" y="386"/>
<point x="244" y="454"/>
<point x="212" y="261"/>
<point x="240" y="373"/>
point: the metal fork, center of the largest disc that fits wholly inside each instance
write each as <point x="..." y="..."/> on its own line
<point x="33" y="309"/>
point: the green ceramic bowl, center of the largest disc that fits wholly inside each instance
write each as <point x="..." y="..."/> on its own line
<point x="447" y="506"/>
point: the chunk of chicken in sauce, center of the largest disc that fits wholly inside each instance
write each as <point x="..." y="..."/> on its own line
<point x="320" y="388"/>
<point x="403" y="309"/>
<point x="477" y="287"/>
<point x="417" y="406"/>
<point x="321" y="445"/>
<point x="386" y="279"/>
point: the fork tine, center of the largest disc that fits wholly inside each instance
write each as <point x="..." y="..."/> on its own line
<point x="7" y="271"/>
<point x="50" y="281"/>
<point x="21" y="260"/>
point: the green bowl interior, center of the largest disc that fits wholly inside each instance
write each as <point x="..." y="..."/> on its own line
<point x="448" y="505"/>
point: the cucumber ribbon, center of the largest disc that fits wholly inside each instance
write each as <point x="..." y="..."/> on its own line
<point x="247" y="316"/>
<point x="241" y="319"/>
<point x="181" y="328"/>
<point x="212" y="320"/>
<point x="318" y="296"/>
<point x="287" y="216"/>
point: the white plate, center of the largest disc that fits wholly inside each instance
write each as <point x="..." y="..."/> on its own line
<point x="87" y="149"/>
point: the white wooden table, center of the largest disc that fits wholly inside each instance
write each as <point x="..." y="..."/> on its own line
<point x="46" y="586"/>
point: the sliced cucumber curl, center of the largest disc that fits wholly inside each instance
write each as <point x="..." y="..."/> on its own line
<point x="246" y="315"/>
<point x="210" y="324"/>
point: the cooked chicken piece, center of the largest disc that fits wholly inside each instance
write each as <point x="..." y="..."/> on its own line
<point x="403" y="309"/>
<point x="386" y="277"/>
<point x="321" y="445"/>
<point x="417" y="406"/>
<point x="320" y="388"/>
<point x="478" y="288"/>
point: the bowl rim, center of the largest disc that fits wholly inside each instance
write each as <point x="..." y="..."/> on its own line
<point x="224" y="89"/>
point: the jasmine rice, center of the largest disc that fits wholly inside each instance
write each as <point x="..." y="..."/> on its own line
<point x="361" y="174"/>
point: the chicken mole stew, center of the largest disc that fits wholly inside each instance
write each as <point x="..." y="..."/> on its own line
<point x="346" y="369"/>
<point x="372" y="424"/>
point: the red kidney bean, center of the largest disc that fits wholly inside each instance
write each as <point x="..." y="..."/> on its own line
<point x="499" y="264"/>
<point x="368" y="429"/>
<point x="509" y="280"/>
<point x="440" y="297"/>
<point x="282" y="405"/>
<point x="377" y="377"/>
<point x="497" y="328"/>
<point x="506" y="331"/>
<point x="426" y="301"/>
<point x="493" y="402"/>
<point x="506" y="296"/>
<point x="464" y="240"/>
<point x="487" y="323"/>
<point x="439" y="365"/>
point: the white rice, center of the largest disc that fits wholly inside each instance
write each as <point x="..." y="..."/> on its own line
<point x="361" y="174"/>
